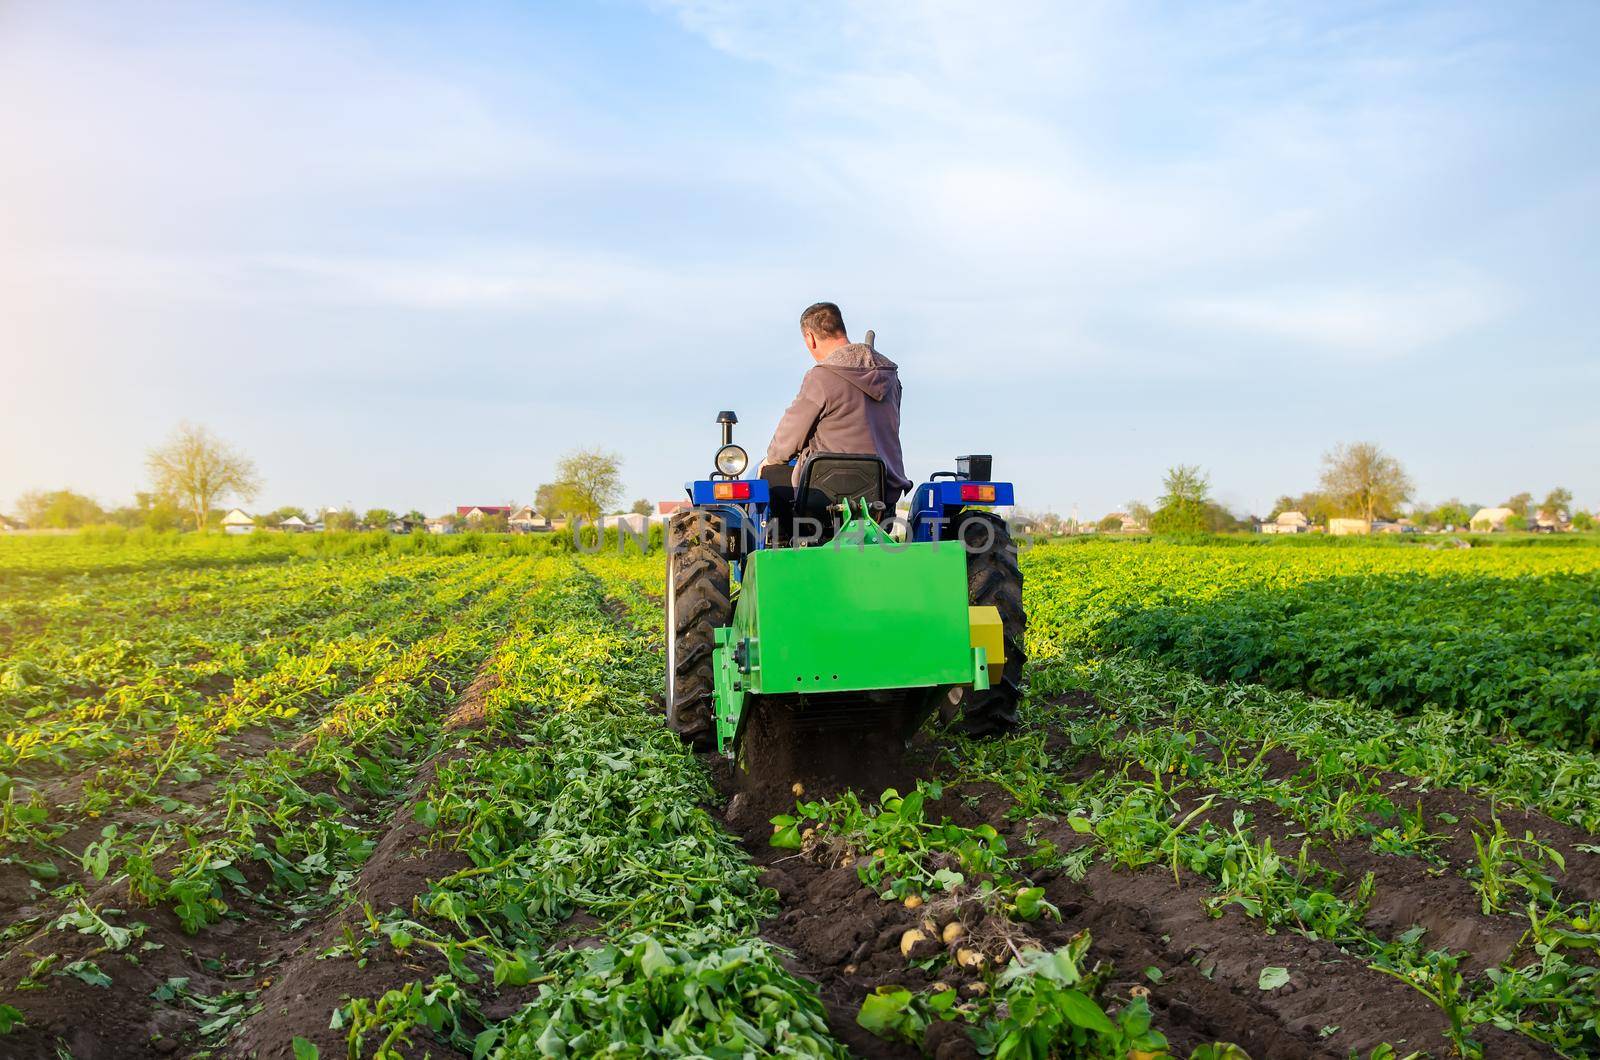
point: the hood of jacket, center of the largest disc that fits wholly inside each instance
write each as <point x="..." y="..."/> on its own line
<point x="864" y="368"/>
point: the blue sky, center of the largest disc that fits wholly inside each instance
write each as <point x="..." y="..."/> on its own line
<point x="407" y="255"/>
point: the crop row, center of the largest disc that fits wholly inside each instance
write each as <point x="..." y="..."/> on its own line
<point x="270" y="836"/>
<point x="72" y="699"/>
<point x="1167" y="736"/>
<point x="1507" y="638"/>
<point x="578" y="814"/>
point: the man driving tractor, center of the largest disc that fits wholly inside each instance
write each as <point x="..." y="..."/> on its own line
<point x="849" y="402"/>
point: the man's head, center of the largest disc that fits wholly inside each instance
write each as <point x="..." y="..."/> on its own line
<point x="822" y="329"/>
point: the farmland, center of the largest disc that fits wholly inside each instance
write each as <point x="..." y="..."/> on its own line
<point x="282" y="798"/>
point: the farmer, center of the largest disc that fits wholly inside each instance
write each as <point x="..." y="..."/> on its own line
<point x="849" y="402"/>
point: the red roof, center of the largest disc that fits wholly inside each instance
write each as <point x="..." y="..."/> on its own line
<point x="669" y="507"/>
<point x="486" y="509"/>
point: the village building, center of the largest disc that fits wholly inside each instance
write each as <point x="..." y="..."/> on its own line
<point x="473" y="513"/>
<point x="1551" y="522"/>
<point x="444" y="524"/>
<point x="1128" y="524"/>
<point x="527" y="521"/>
<point x="1348" y="527"/>
<point x="238" y="521"/>
<point x="293" y="525"/>
<point x="1288" y="523"/>
<point x="1489" y="520"/>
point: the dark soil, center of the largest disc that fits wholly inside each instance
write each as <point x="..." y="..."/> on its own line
<point x="258" y="947"/>
<point x="846" y="939"/>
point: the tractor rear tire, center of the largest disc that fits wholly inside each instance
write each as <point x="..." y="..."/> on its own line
<point x="993" y="580"/>
<point x="698" y="602"/>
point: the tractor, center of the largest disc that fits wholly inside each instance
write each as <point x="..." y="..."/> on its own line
<point x="797" y="604"/>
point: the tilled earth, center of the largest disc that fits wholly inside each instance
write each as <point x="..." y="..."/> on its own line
<point x="846" y="939"/>
<point x="1151" y="926"/>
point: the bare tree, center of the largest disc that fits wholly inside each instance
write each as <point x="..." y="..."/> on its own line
<point x="1362" y="479"/>
<point x="199" y="469"/>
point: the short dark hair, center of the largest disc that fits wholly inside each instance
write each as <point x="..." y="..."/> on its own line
<point x="823" y="320"/>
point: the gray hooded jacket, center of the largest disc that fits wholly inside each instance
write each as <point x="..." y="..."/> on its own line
<point x="848" y="403"/>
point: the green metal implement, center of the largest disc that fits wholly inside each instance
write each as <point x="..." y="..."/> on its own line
<point x="861" y="613"/>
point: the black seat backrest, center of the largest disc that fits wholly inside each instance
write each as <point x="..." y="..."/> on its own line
<point x="845" y="476"/>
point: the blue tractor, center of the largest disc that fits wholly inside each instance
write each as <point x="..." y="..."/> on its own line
<point x="797" y="601"/>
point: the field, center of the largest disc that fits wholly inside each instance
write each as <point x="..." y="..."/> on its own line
<point x="380" y="797"/>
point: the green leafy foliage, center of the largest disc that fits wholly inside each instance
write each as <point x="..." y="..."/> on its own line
<point x="646" y="997"/>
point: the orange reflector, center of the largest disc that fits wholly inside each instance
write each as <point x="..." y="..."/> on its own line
<point x="982" y="494"/>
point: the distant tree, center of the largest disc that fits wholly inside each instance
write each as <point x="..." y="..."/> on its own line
<point x="288" y="511"/>
<point x="1139" y="512"/>
<point x="1111" y="524"/>
<point x="1451" y="513"/>
<point x="198" y="469"/>
<point x="1362" y="480"/>
<point x="414" y="516"/>
<point x="1516" y="521"/>
<point x="1557" y="504"/>
<point x="547" y="500"/>
<point x="1521" y="503"/>
<point x="1050" y="522"/>
<point x="1219" y="518"/>
<point x="1283" y="504"/>
<point x="588" y="482"/>
<point x="1314" y="505"/>
<point x="378" y="518"/>
<point x="340" y="519"/>
<point x="58" y="510"/>
<point x="642" y="507"/>
<point x="492" y="524"/>
<point x="149" y="510"/>
<point x="1183" y="507"/>
<point x="1582" y="520"/>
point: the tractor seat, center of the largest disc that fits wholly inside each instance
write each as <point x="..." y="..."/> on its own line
<point x="845" y="477"/>
<point x="826" y="479"/>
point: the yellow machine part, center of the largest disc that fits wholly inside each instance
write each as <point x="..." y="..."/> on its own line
<point x="989" y="634"/>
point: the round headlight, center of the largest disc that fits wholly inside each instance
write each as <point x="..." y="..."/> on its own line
<point x="732" y="460"/>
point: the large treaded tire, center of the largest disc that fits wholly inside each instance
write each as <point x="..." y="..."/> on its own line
<point x="993" y="579"/>
<point x="698" y="601"/>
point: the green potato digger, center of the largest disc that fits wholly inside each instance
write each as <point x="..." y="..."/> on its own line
<point x="800" y="607"/>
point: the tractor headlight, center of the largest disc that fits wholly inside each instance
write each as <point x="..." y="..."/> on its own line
<point x="732" y="460"/>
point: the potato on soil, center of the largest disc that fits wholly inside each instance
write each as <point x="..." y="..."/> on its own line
<point x="914" y="945"/>
<point x="913" y="901"/>
<point x="952" y="931"/>
<point x="973" y="959"/>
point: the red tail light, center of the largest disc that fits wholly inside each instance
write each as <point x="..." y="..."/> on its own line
<point x="731" y="491"/>
<point x="981" y="494"/>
